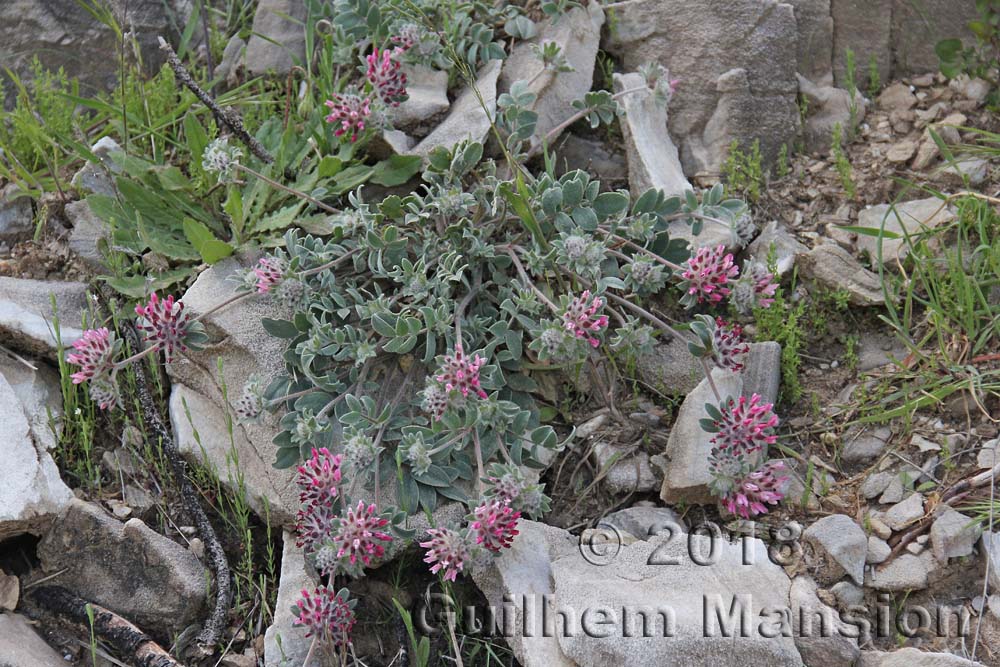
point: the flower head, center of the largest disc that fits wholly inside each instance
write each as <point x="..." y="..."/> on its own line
<point x="221" y="158"/>
<point x="461" y="372"/>
<point x="250" y="404"/>
<point x="581" y="317"/>
<point x="707" y="275"/>
<point x="436" y="400"/>
<point x="313" y="524"/>
<point x="325" y="614"/>
<point x="350" y="112"/>
<point x="745" y="426"/>
<point x="751" y="495"/>
<point x="165" y="324"/>
<point x="447" y="550"/>
<point x="94" y="354"/>
<point x="385" y="75"/>
<point x="728" y="346"/>
<point x="104" y="392"/>
<point x="494" y="525"/>
<point x="269" y="272"/>
<point x="319" y="478"/>
<point x="358" y="536"/>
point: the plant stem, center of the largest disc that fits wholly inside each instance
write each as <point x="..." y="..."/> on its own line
<point x="479" y="460"/>
<point x="331" y="265"/>
<point x="136" y="357"/>
<point x="530" y="283"/>
<point x="292" y="191"/>
<point x="219" y="306"/>
<point x="711" y="381"/>
<point x="639" y="248"/>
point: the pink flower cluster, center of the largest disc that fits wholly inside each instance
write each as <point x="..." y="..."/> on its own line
<point x="94" y="354"/>
<point x="751" y="495"/>
<point x="728" y="346"/>
<point x="581" y="317"/>
<point x="318" y="480"/>
<point x="165" y="324"/>
<point x="359" y="534"/>
<point x="708" y="274"/>
<point x="325" y="614"/>
<point x="493" y="527"/>
<point x="319" y="477"/>
<point x="350" y="112"/>
<point x="386" y="77"/>
<point x="763" y="284"/>
<point x="269" y="271"/>
<point x="746" y="426"/>
<point x="461" y="372"/>
<point x="447" y="550"/>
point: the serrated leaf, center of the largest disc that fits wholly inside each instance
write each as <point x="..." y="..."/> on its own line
<point x="201" y="237"/>
<point x="278" y="220"/>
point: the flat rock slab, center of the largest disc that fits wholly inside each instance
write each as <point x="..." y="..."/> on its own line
<point x="911" y="657"/>
<point x="907" y="218"/>
<point x="21" y="645"/>
<point x="618" y="611"/>
<point x="467" y="118"/>
<point x="578" y="34"/>
<point x="686" y="474"/>
<point x="278" y="39"/>
<point x="285" y="644"/>
<point x="843" y="543"/>
<point x="32" y="492"/>
<point x="26" y="313"/>
<point x="127" y="567"/>
<point x="834" y="267"/>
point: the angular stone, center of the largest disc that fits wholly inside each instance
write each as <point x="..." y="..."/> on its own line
<point x="843" y="544"/>
<point x="97" y="178"/>
<point x="21" y="646"/>
<point x="701" y="43"/>
<point x="285" y="644"/>
<point x="427" y="91"/>
<point x="917" y="27"/>
<point x="32" y="492"/>
<point x="524" y="572"/>
<point x="786" y="247"/>
<point x="604" y="601"/>
<point x="686" y="474"/>
<point x="88" y="233"/>
<point x="910" y="217"/>
<point x="643" y="522"/>
<point x="953" y="535"/>
<point x="991" y="546"/>
<point x="831" y="265"/>
<point x="893" y="493"/>
<point x="878" y="550"/>
<point x="652" y="156"/>
<point x="127" y="567"/>
<point x="906" y="572"/>
<point x="278" y="39"/>
<point x="40" y="395"/>
<point x="596" y="157"/>
<point x="828" y="107"/>
<point x="876" y="484"/>
<point x="865" y="27"/>
<point x="901" y="151"/>
<point x="578" y="34"/>
<point x="670" y="367"/>
<point x="897" y="97"/>
<point x="63" y="33"/>
<point x="848" y="594"/>
<point x="912" y="657"/>
<point x="630" y="471"/>
<point x="26" y="313"/>
<point x="467" y="118"/>
<point x="902" y="514"/>
<point x="815" y="40"/>
<point x="17" y="220"/>
<point x="975" y="170"/>
<point x="201" y="433"/>
<point x="865" y="445"/>
<point x="823" y="640"/>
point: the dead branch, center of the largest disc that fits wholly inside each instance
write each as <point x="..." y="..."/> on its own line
<point x="217" y="620"/>
<point x="227" y="117"/>
<point x="131" y="643"/>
